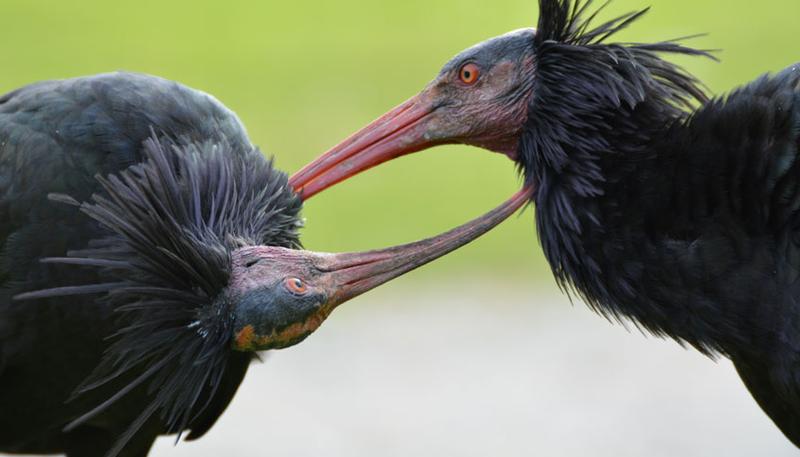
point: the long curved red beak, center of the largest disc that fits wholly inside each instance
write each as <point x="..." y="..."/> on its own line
<point x="354" y="273"/>
<point x="401" y="131"/>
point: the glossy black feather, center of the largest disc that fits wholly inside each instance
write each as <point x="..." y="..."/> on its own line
<point x="660" y="206"/>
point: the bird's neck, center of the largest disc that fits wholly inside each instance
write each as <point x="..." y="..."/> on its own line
<point x="598" y="214"/>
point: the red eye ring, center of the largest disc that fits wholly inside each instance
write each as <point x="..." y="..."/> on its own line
<point x="295" y="286"/>
<point x="469" y="73"/>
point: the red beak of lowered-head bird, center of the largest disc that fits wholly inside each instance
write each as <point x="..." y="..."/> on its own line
<point x="653" y="202"/>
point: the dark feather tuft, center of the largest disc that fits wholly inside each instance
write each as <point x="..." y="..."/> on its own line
<point x="174" y="220"/>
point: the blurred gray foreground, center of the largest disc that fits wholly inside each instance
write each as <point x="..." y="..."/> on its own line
<point x="448" y="369"/>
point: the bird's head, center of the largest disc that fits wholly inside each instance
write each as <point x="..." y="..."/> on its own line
<point x="528" y="93"/>
<point x="479" y="98"/>
<point x="279" y="296"/>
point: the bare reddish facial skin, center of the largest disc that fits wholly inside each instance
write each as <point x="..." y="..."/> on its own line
<point x="498" y="126"/>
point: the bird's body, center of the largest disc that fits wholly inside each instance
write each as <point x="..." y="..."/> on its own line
<point x="653" y="203"/>
<point x="54" y="138"/>
<point x="695" y="234"/>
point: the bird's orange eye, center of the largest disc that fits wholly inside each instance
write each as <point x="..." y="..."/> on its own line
<point x="296" y="286"/>
<point x="469" y="73"/>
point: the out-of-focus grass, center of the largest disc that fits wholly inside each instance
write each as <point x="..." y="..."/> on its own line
<point x="302" y="75"/>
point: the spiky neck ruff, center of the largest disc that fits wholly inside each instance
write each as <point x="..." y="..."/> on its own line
<point x="600" y="144"/>
<point x="173" y="222"/>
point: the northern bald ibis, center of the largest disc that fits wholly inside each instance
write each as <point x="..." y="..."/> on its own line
<point x="148" y="250"/>
<point x="653" y="202"/>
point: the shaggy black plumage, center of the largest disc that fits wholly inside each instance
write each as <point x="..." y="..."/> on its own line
<point x="176" y="219"/>
<point x="592" y="102"/>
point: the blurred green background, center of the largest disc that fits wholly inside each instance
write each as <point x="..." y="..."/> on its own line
<point x="468" y="356"/>
<point x="303" y="74"/>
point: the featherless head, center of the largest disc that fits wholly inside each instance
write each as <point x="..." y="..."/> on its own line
<point x="532" y="94"/>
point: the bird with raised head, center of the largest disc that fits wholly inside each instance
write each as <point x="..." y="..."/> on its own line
<point x="654" y="202"/>
<point x="148" y="251"/>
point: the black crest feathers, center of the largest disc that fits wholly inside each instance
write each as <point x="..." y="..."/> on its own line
<point x="569" y="24"/>
<point x="173" y="221"/>
<point x="586" y="89"/>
